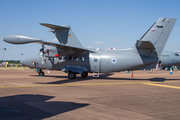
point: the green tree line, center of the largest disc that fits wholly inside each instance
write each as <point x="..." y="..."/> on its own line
<point x="11" y="61"/>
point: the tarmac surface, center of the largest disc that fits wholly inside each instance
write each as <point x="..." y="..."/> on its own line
<point x="114" y="96"/>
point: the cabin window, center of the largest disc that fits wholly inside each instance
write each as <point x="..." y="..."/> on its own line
<point x="70" y="58"/>
<point x="76" y="58"/>
<point x="82" y="59"/>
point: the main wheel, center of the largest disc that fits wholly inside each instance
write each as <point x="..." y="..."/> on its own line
<point x="84" y="74"/>
<point x="71" y="75"/>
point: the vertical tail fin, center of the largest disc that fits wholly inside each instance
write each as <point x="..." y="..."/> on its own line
<point x="157" y="35"/>
<point x="72" y="39"/>
<point x="64" y="34"/>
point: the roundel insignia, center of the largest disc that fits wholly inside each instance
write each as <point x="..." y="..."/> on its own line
<point x="114" y="60"/>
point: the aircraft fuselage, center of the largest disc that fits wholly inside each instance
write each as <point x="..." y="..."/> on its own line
<point x="100" y="62"/>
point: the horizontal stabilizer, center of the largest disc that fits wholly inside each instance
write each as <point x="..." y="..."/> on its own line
<point x="145" y="45"/>
<point x="63" y="27"/>
<point x="64" y="34"/>
<point x="61" y="32"/>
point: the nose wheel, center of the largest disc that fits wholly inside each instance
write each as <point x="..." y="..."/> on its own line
<point x="41" y="73"/>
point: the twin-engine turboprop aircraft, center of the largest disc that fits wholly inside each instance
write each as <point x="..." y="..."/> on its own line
<point x="169" y="58"/>
<point x="70" y="56"/>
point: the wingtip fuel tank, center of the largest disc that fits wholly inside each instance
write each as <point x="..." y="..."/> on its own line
<point x="19" y="39"/>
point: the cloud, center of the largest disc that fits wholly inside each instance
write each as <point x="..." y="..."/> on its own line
<point x="115" y="40"/>
<point x="98" y="42"/>
<point x="55" y="39"/>
<point x="25" y="50"/>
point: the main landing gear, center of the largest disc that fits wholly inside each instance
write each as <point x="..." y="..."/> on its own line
<point x="84" y="74"/>
<point x="72" y="75"/>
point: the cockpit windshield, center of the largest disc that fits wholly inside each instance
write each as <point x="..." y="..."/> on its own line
<point x="40" y="53"/>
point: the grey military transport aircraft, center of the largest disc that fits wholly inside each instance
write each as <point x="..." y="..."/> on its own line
<point x="169" y="58"/>
<point x="70" y="56"/>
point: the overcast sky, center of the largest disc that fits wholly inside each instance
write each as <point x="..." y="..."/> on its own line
<point x="96" y="23"/>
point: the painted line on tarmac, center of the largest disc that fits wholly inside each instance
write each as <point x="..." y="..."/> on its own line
<point x="61" y="85"/>
<point x="160" y="85"/>
<point x="91" y="84"/>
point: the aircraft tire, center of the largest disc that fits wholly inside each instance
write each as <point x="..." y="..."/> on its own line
<point x="71" y="75"/>
<point x="84" y="75"/>
<point x="41" y="73"/>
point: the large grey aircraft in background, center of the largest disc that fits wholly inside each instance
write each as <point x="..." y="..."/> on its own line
<point x="169" y="58"/>
<point x="71" y="57"/>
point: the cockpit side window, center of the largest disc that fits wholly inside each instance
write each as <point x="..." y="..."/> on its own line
<point x="176" y="54"/>
<point x="64" y="58"/>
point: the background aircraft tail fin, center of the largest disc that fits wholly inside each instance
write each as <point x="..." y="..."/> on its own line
<point x="64" y="34"/>
<point x="153" y="41"/>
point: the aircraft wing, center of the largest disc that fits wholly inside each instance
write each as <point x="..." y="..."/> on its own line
<point x="21" y="39"/>
<point x="65" y="47"/>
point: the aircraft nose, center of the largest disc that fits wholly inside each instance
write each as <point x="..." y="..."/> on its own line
<point x="22" y="62"/>
<point x="28" y="62"/>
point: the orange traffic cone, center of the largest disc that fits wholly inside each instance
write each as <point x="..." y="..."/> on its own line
<point x="132" y="74"/>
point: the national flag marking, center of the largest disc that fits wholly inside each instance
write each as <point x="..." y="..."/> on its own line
<point x="153" y="29"/>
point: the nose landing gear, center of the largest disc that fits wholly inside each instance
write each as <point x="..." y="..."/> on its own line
<point x="41" y="73"/>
